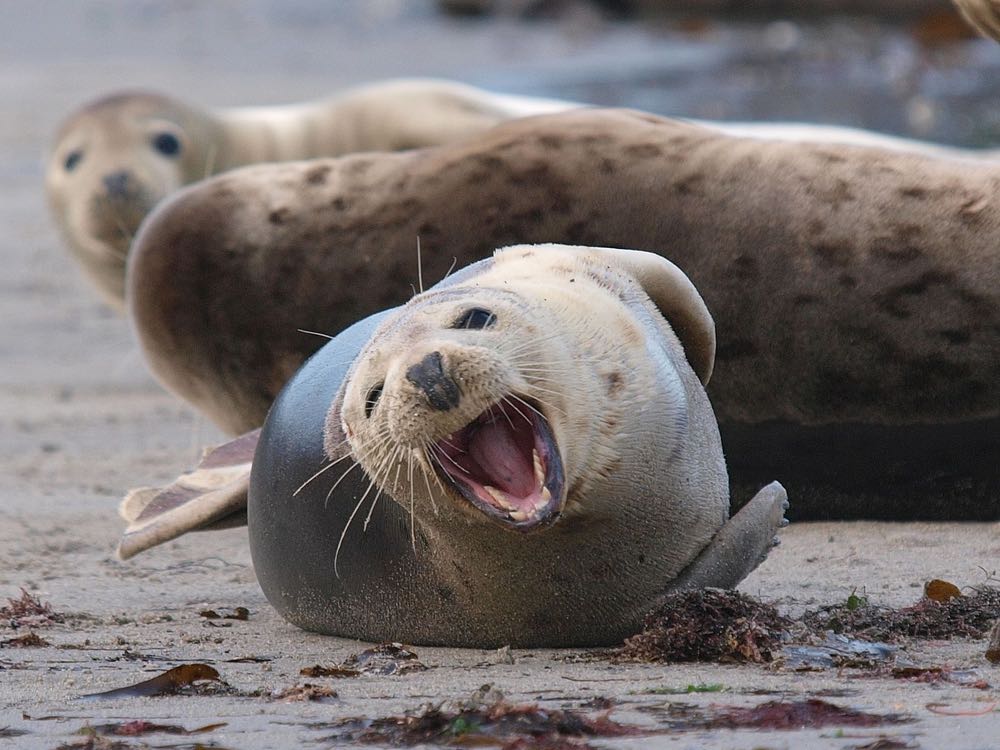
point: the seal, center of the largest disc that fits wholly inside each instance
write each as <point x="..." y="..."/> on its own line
<point x="547" y="461"/>
<point x="117" y="157"/>
<point x="856" y="290"/>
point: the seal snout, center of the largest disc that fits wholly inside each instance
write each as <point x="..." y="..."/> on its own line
<point x="429" y="376"/>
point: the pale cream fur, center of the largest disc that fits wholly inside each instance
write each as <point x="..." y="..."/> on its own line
<point x="641" y="456"/>
<point x="114" y="135"/>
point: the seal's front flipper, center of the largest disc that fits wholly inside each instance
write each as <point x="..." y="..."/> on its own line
<point x="212" y="496"/>
<point x="739" y="546"/>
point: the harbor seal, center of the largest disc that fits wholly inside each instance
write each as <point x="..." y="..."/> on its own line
<point x="855" y="289"/>
<point x="116" y="158"/>
<point x="537" y="461"/>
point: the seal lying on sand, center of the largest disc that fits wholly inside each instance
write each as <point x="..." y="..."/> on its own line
<point x="117" y="157"/>
<point x="538" y="463"/>
<point x="856" y="290"/>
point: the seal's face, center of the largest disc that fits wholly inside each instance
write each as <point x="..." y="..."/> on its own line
<point x="112" y="163"/>
<point x="453" y="388"/>
<point x="521" y="385"/>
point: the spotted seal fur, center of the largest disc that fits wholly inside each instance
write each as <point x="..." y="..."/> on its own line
<point x="855" y="289"/>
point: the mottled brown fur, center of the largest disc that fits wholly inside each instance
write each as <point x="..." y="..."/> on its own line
<point x="837" y="299"/>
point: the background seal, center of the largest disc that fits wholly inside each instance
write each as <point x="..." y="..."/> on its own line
<point x="855" y="290"/>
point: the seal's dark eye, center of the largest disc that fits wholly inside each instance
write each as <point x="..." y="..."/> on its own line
<point x="167" y="144"/>
<point x="476" y="317"/>
<point x="73" y="158"/>
<point x="373" y="396"/>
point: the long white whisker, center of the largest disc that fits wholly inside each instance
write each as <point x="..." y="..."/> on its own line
<point x="343" y="534"/>
<point x="451" y="445"/>
<point x="543" y="402"/>
<point x="340" y="542"/>
<point x="521" y="400"/>
<point x="315" y="333"/>
<point x="413" y="518"/>
<point x="426" y="468"/>
<point x="506" y="399"/>
<point x="318" y="473"/>
<point x="454" y="262"/>
<point x="420" y="268"/>
<point x="507" y="417"/>
<point x="353" y="466"/>
<point x="397" y="457"/>
<point x="437" y="451"/>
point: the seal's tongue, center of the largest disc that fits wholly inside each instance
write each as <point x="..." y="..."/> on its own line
<point x="503" y="463"/>
<point x="504" y="456"/>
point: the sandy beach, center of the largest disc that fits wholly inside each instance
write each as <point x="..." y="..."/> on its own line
<point x="81" y="421"/>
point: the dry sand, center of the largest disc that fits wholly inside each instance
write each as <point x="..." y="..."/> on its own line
<point x="81" y="421"/>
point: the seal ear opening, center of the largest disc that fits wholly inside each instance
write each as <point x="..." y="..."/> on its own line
<point x="676" y="297"/>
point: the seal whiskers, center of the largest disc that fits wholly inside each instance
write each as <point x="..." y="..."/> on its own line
<point x="375" y="481"/>
<point x="330" y="463"/>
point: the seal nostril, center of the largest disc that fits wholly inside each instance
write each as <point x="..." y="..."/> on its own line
<point x="116" y="183"/>
<point x="429" y="376"/>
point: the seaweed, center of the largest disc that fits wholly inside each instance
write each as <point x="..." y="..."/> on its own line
<point x="708" y="625"/>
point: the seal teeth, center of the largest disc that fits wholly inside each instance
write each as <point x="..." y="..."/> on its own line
<point x="518" y="515"/>
<point x="498" y="496"/>
<point x="545" y="497"/>
<point x="536" y="461"/>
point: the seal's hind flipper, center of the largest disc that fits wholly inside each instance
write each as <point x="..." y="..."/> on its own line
<point x="213" y="495"/>
<point x="740" y="545"/>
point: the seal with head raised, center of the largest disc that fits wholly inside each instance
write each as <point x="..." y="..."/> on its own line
<point x="116" y="158"/>
<point x="526" y="456"/>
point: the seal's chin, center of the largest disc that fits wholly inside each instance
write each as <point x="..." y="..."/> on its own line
<point x="506" y="464"/>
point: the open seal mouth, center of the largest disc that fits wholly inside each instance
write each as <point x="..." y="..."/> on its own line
<point x="506" y="463"/>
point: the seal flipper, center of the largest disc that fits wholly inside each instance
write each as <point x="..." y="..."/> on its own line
<point x="739" y="546"/>
<point x="212" y="496"/>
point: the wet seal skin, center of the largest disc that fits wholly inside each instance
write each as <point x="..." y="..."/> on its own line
<point x="115" y="158"/>
<point x="537" y="461"/>
<point x="856" y="291"/>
